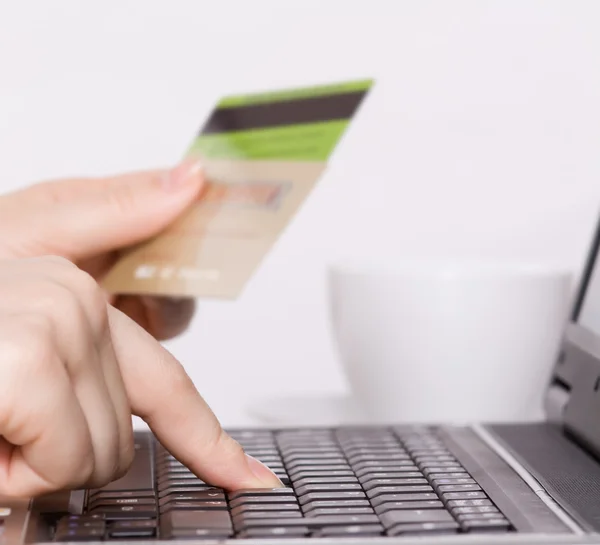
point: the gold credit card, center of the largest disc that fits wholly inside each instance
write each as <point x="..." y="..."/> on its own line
<point x="262" y="154"/>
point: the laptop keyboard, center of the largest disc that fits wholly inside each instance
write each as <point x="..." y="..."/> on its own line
<point x="338" y="483"/>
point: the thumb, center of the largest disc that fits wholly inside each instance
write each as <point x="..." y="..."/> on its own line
<point x="80" y="218"/>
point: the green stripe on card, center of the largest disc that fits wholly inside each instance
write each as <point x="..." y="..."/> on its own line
<point x="305" y="142"/>
<point x="291" y="94"/>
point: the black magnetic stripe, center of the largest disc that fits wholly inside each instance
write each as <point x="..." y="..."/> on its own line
<point x="289" y="112"/>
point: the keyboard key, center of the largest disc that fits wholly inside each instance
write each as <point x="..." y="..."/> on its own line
<point x="319" y="504"/>
<point x="133" y="529"/>
<point x="190" y="483"/>
<point x="296" y="476"/>
<point x="434" y="459"/>
<point x="103" y="502"/>
<point x="478" y="516"/>
<point x="178" y="476"/>
<point x="419" y="496"/>
<point x="318" y="469"/>
<point x="202" y="505"/>
<point x="184" y="520"/>
<point x="314" y="462"/>
<point x="393" y="518"/>
<point x="459" y="488"/>
<point x="358" y="458"/>
<point x="488" y="525"/>
<point x="367" y="451"/>
<point x="265" y="515"/>
<point x="262" y="507"/>
<point x="445" y="473"/>
<point x="364" y="530"/>
<point x="185" y="490"/>
<point x="306" y="442"/>
<point x="397" y="505"/>
<point x="341" y="511"/>
<point x="472" y="510"/>
<point x="256" y="533"/>
<point x="438" y="464"/>
<point x="261" y="492"/>
<point x="350" y="446"/>
<point x="312" y="456"/>
<point x="302" y="490"/>
<point x="73" y="524"/>
<point x="124" y="512"/>
<point x="441" y="481"/>
<point x="197" y="533"/>
<point x="266" y="458"/>
<point x="462" y="495"/>
<point x="325" y="480"/>
<point x="393" y="482"/>
<point x="276" y="466"/>
<point x="302" y="450"/>
<point x="426" y="528"/>
<point x="79" y="534"/>
<point x="407" y="468"/>
<point x="83" y="518"/>
<point x="468" y="503"/>
<point x="383" y="465"/>
<point x="349" y="495"/>
<point x="428" y="452"/>
<point x="367" y="477"/>
<point x="113" y="495"/>
<point x="380" y="490"/>
<point x="202" y="495"/>
<point x="315" y="522"/>
<point x="245" y="500"/>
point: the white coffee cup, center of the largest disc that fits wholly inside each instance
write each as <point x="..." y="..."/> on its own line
<point x="448" y="342"/>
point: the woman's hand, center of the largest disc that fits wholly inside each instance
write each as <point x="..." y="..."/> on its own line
<point x="88" y="221"/>
<point x="73" y="369"/>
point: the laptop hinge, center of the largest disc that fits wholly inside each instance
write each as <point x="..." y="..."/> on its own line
<point x="581" y="417"/>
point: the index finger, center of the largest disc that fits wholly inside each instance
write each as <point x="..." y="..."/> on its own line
<point x="163" y="395"/>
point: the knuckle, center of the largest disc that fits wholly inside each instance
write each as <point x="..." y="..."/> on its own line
<point x="90" y="290"/>
<point x="55" y="300"/>
<point x="76" y="295"/>
<point x="31" y="346"/>
<point x="27" y="349"/>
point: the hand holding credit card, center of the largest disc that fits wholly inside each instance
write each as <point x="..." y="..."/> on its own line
<point x="262" y="154"/>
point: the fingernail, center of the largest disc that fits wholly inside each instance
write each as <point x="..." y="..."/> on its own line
<point x="263" y="473"/>
<point x="187" y="173"/>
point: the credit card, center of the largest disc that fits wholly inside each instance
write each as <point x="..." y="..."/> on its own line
<point x="262" y="155"/>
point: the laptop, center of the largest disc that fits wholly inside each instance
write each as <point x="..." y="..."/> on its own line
<point x="487" y="483"/>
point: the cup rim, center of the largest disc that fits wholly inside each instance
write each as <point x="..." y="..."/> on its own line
<point x="447" y="267"/>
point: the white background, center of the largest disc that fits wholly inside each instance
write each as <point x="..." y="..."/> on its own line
<point x="481" y="136"/>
